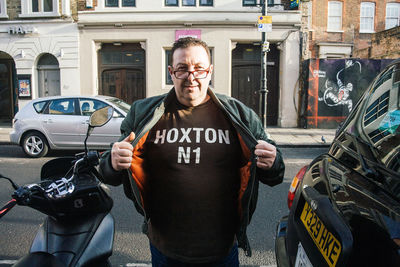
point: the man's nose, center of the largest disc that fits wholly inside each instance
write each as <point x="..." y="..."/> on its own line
<point x="191" y="76"/>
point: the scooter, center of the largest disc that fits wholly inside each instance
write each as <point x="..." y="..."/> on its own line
<point x="79" y="230"/>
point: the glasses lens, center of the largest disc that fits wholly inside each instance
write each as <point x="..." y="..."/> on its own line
<point x="199" y="74"/>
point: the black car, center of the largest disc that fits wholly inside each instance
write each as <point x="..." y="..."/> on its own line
<point x="345" y="205"/>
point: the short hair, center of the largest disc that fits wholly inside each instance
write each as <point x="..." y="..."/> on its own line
<point x="186" y="42"/>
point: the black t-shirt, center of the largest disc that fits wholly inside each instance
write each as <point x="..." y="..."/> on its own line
<point x="192" y="160"/>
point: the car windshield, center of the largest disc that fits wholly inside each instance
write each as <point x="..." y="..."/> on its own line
<point x="119" y="103"/>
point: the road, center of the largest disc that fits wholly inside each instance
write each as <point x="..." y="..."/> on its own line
<point x="19" y="226"/>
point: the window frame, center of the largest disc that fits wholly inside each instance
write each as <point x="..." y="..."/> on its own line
<point x="194" y="3"/>
<point x="171" y="5"/>
<point x="26" y="10"/>
<point x="244" y="4"/>
<point x="3" y="9"/>
<point x="119" y="5"/>
<point x="367" y="5"/>
<point x="330" y="16"/>
<point x="388" y="6"/>
<point x="202" y="4"/>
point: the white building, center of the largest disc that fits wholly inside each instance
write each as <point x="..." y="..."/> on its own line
<point x="124" y="48"/>
<point x="121" y="48"/>
<point x="39" y="47"/>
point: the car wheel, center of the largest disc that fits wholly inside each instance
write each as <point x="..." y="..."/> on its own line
<point x="35" y="145"/>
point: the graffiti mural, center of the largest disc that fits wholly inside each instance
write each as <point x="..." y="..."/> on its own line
<point x="331" y="88"/>
<point x="336" y="92"/>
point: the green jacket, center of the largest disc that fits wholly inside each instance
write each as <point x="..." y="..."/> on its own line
<point x="145" y="113"/>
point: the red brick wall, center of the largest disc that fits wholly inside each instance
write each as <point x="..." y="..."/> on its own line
<point x="384" y="45"/>
<point x="350" y="24"/>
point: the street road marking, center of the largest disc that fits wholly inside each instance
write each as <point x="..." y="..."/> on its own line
<point x="297" y="161"/>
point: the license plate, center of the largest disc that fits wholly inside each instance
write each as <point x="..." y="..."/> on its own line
<point x="327" y="243"/>
<point x="301" y="258"/>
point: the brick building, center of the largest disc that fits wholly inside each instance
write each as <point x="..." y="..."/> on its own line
<point x="345" y="28"/>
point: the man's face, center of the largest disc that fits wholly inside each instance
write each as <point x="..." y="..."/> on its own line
<point x="191" y="91"/>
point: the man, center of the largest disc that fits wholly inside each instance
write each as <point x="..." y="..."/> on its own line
<point x="191" y="162"/>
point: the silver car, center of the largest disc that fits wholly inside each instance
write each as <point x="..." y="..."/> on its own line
<point x="61" y="122"/>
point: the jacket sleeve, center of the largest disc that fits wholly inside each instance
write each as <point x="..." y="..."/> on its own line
<point x="108" y="174"/>
<point x="274" y="175"/>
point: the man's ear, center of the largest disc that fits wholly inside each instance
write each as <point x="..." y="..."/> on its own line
<point x="211" y="69"/>
<point x="170" y="70"/>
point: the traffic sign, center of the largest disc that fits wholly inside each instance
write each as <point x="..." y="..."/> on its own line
<point x="265" y="24"/>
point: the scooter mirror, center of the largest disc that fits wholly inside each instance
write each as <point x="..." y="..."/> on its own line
<point x="101" y="116"/>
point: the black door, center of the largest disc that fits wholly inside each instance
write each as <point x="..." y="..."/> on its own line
<point x="246" y="79"/>
<point x="6" y="93"/>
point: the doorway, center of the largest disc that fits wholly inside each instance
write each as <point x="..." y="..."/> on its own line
<point x="48" y="76"/>
<point x="246" y="78"/>
<point x="7" y="83"/>
<point x="122" y="71"/>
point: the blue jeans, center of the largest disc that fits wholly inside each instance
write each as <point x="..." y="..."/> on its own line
<point x="160" y="260"/>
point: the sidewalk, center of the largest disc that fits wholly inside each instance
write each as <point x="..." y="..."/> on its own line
<point x="284" y="137"/>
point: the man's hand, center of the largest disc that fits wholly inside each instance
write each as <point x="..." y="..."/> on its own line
<point x="266" y="154"/>
<point x="121" y="153"/>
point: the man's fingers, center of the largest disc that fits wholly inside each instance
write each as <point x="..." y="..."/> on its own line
<point x="129" y="138"/>
<point x="121" y="153"/>
<point x="264" y="153"/>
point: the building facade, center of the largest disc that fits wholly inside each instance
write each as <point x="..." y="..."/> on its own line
<point x="345" y="28"/>
<point x="122" y="48"/>
<point x="125" y="47"/>
<point x="39" y="52"/>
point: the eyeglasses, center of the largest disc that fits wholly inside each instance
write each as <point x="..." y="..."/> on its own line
<point x="197" y="74"/>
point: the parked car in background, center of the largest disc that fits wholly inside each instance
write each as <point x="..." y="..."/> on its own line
<point x="60" y="123"/>
<point x="345" y="205"/>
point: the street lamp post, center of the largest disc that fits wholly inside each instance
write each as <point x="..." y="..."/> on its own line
<point x="263" y="90"/>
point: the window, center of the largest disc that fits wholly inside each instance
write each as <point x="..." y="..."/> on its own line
<point x="206" y="2"/>
<point x="39" y="8"/>
<point x="249" y="2"/>
<point x="367" y="15"/>
<point x="62" y="107"/>
<point x="192" y="3"/>
<point x="39" y="106"/>
<point x="88" y="106"/>
<point x="171" y="2"/>
<point x="334" y="16"/>
<point x="120" y="3"/>
<point x="3" y="9"/>
<point x="392" y="15"/>
<point x="188" y="2"/>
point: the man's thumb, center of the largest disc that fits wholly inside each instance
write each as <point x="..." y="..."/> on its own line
<point x="130" y="137"/>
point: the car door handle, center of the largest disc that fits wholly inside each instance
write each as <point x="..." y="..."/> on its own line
<point x="48" y="121"/>
<point x="85" y="122"/>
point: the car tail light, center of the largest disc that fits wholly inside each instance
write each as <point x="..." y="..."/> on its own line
<point x="293" y="186"/>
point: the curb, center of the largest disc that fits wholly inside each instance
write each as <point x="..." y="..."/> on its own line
<point x="303" y="145"/>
